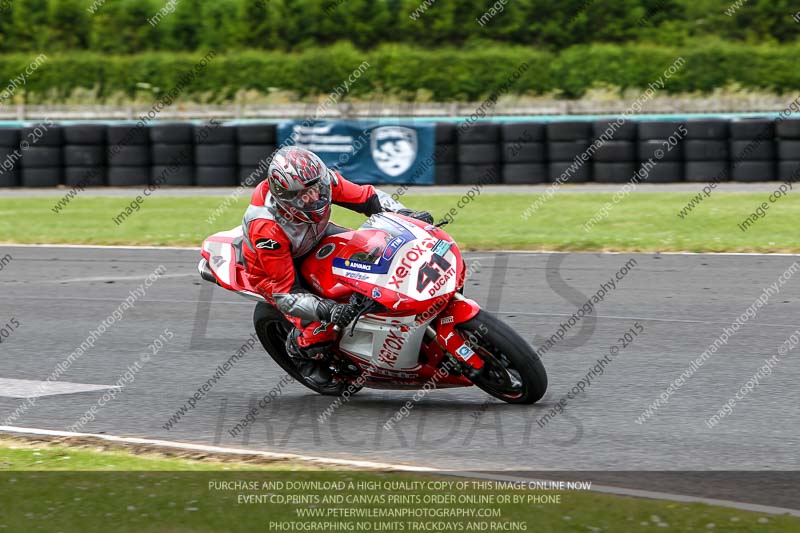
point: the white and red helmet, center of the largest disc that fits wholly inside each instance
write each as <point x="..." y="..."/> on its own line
<point x="300" y="184"/>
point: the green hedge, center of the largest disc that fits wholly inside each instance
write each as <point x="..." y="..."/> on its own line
<point x="121" y="26"/>
<point x="401" y="71"/>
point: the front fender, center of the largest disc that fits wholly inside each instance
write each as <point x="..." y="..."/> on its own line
<point x="459" y="310"/>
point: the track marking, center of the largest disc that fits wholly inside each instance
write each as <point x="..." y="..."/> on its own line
<point x="27" y="388"/>
<point x="620" y="491"/>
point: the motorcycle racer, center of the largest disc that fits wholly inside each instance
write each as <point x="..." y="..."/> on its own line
<point x="289" y="214"/>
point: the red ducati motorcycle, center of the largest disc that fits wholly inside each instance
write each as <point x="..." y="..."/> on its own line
<point x="414" y="324"/>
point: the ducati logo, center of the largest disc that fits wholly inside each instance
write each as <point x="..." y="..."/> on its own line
<point x="394" y="149"/>
<point x="267" y="244"/>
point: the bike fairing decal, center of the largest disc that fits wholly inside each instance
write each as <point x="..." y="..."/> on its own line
<point x="382" y="266"/>
<point x="442" y="247"/>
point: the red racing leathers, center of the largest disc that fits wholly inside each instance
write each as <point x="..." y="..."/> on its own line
<point x="273" y="242"/>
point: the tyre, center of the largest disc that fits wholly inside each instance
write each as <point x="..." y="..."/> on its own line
<point x="9" y="136"/>
<point x="705" y="171"/>
<point x="215" y="155"/>
<point x="787" y="170"/>
<point x="564" y="172"/>
<point x="85" y="134"/>
<point x="446" y="174"/>
<point x="707" y="129"/>
<point x="478" y="154"/>
<point x="483" y="174"/>
<point x="512" y="370"/>
<point x="658" y="129"/>
<point x="445" y="154"/>
<point x="41" y="177"/>
<point x="615" y="152"/>
<point x="84" y="156"/>
<point x="43" y="135"/>
<point x="523" y="132"/>
<point x="216" y="176"/>
<point x="272" y="329"/>
<point x="253" y="155"/>
<point x="624" y="131"/>
<point x="41" y="157"/>
<point x="569" y="130"/>
<point x="127" y="135"/>
<point x="479" y="133"/>
<point x="217" y="133"/>
<point x="172" y="133"/>
<point x="258" y="133"/>
<point x="788" y="129"/>
<point x="659" y="150"/>
<point x="85" y="176"/>
<point x="179" y="176"/>
<point x="11" y="154"/>
<point x="9" y="178"/>
<point x="515" y="152"/>
<point x="663" y="172"/>
<point x="252" y="176"/>
<point x="172" y="154"/>
<point x="752" y="128"/>
<point x="128" y="176"/>
<point x="753" y="150"/>
<point x="748" y="171"/>
<point x="129" y="156"/>
<point x="613" y="172"/>
<point x="524" y="173"/>
<point x="705" y="150"/>
<point x="788" y="150"/>
<point x="445" y="133"/>
<point x="566" y="150"/>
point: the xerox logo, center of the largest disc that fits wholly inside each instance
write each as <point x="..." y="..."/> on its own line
<point x="414" y="254"/>
<point x="391" y="349"/>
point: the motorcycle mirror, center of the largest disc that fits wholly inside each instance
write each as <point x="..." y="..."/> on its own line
<point x="442" y="223"/>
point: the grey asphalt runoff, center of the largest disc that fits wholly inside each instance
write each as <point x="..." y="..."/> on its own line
<point x="682" y="302"/>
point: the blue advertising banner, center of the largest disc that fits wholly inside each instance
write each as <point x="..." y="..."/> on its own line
<point x="368" y="151"/>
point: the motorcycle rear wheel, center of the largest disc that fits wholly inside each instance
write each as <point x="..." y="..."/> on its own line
<point x="272" y="329"/>
<point x="512" y="369"/>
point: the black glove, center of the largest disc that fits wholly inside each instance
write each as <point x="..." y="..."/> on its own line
<point x="336" y="313"/>
<point x="419" y="215"/>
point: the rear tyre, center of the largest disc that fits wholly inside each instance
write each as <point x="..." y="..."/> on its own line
<point x="512" y="371"/>
<point x="272" y="329"/>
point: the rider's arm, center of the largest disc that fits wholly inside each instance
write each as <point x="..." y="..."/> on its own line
<point x="279" y="282"/>
<point x="364" y="199"/>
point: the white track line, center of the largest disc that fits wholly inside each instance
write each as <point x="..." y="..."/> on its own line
<point x="548" y="252"/>
<point x="621" y="491"/>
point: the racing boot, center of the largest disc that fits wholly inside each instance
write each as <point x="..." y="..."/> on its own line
<point x="312" y="361"/>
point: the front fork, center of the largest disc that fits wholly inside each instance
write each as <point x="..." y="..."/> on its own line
<point x="459" y="310"/>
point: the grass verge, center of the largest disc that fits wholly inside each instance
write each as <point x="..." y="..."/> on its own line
<point x="640" y="222"/>
<point x="91" y="487"/>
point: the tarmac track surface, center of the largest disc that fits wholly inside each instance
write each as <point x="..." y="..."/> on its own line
<point x="682" y="302"/>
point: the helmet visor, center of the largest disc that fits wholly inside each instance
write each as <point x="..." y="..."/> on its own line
<point x="315" y="196"/>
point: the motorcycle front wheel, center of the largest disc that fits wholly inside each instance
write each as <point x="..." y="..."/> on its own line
<point x="272" y="329"/>
<point x="512" y="370"/>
